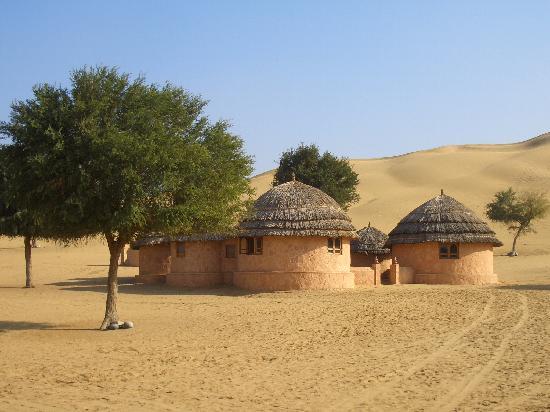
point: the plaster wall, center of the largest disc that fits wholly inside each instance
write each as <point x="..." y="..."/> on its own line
<point x="296" y="254"/>
<point x="363" y="276"/>
<point x="474" y="266"/>
<point x="362" y="260"/>
<point x="154" y="260"/>
<point x="200" y="257"/>
<point x="195" y="280"/>
<point x="272" y="281"/>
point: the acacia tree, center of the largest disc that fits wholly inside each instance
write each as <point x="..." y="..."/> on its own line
<point x="14" y="222"/>
<point x="331" y="174"/>
<point x="119" y="157"/>
<point x="518" y="212"/>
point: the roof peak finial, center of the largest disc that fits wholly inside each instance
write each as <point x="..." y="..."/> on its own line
<point x="442" y="192"/>
<point x="293" y="176"/>
<point x="369" y="224"/>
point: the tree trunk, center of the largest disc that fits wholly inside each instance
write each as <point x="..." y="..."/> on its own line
<point x="28" y="262"/>
<point x="111" y="314"/>
<point x="514" y="251"/>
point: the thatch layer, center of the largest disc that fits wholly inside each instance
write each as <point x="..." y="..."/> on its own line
<point x="442" y="219"/>
<point x="370" y="241"/>
<point x="297" y="209"/>
<point x="202" y="237"/>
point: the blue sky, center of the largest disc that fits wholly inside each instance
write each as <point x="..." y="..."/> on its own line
<point x="359" y="78"/>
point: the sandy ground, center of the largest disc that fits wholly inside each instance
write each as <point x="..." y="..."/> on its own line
<point x="411" y="347"/>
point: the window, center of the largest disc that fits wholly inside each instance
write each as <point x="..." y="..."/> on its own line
<point x="230" y="251"/>
<point x="251" y="246"/>
<point x="334" y="245"/>
<point x="180" y="249"/>
<point x="448" y="251"/>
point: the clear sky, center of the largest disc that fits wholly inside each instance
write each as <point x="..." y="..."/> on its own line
<point x="359" y="78"/>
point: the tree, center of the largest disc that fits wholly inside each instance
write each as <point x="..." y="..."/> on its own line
<point x="519" y="212"/>
<point x="332" y="175"/>
<point x="118" y="157"/>
<point x="14" y="222"/>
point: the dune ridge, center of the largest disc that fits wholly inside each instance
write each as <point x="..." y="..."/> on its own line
<point x="390" y="187"/>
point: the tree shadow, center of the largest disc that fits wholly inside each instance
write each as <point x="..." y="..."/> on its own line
<point x="7" y="325"/>
<point x="526" y="286"/>
<point x="127" y="285"/>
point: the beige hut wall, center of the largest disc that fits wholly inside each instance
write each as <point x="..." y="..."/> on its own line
<point x="364" y="260"/>
<point x="292" y="262"/>
<point x="296" y="254"/>
<point x="474" y="265"/>
<point x="154" y="259"/>
<point x="200" y="257"/>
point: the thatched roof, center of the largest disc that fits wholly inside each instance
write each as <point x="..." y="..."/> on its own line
<point x="371" y="241"/>
<point x="297" y="209"/>
<point x="442" y="219"/>
<point x="202" y="237"/>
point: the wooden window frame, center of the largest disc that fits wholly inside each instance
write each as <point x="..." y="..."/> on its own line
<point x="251" y="245"/>
<point x="448" y="254"/>
<point x="331" y="245"/>
<point x="180" y="252"/>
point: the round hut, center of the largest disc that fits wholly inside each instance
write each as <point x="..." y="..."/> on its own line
<point x="443" y="241"/>
<point x="370" y="248"/>
<point x="297" y="237"/>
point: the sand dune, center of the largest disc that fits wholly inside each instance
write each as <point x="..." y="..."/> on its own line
<point x="391" y="187"/>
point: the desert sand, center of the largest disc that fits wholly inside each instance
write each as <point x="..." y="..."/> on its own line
<point x="400" y="347"/>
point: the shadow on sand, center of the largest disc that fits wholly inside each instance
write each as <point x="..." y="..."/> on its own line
<point x="9" y="325"/>
<point x="526" y="286"/>
<point x="128" y="285"/>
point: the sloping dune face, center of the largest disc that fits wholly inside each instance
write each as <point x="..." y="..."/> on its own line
<point x="392" y="187"/>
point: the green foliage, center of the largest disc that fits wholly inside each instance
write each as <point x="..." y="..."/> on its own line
<point x="518" y="211"/>
<point x="332" y="175"/>
<point x="115" y="155"/>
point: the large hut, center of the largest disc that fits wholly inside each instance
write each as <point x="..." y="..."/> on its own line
<point x="370" y="248"/>
<point x="442" y="241"/>
<point x="297" y="237"/>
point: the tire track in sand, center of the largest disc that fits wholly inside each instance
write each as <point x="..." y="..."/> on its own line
<point x="469" y="383"/>
<point x="377" y="391"/>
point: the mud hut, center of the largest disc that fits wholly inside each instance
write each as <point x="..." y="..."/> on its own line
<point x="370" y="248"/>
<point x="205" y="260"/>
<point x="297" y="237"/>
<point x="442" y="241"/>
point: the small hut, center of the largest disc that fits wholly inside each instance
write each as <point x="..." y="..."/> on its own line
<point x="442" y="241"/>
<point x="297" y="237"/>
<point x="205" y="260"/>
<point x="370" y="248"/>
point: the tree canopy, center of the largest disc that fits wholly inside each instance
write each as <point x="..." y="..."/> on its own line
<point x="331" y="174"/>
<point x="518" y="211"/>
<point x="117" y="156"/>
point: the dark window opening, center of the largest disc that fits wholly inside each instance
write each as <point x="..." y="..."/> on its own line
<point x="334" y="245"/>
<point x="180" y="249"/>
<point x="251" y="246"/>
<point x="448" y="251"/>
<point x="230" y="251"/>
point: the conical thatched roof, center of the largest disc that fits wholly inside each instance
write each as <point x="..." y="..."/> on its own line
<point x="442" y="219"/>
<point x="370" y="241"/>
<point x="297" y="209"/>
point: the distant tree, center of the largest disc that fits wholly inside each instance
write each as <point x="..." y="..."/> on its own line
<point x="331" y="174"/>
<point x="519" y="212"/>
<point x="119" y="157"/>
<point x="15" y="222"/>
